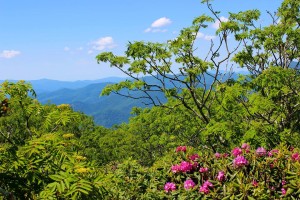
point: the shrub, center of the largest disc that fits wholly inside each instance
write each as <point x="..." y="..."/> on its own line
<point x="245" y="174"/>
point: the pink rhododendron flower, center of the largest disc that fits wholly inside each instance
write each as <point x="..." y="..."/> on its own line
<point x="254" y="183"/>
<point x="221" y="176"/>
<point x="175" y="168"/>
<point x="194" y="157"/>
<point x="203" y="169"/>
<point x="225" y="155"/>
<point x="283" y="191"/>
<point x="260" y="151"/>
<point x="208" y="184"/>
<point x="189" y="184"/>
<point x="283" y="182"/>
<point x="240" y="161"/>
<point x="186" y="166"/>
<point x="181" y="148"/>
<point x="245" y="146"/>
<point x="218" y="155"/>
<point x="195" y="165"/>
<point x="270" y="153"/>
<point x="296" y="156"/>
<point x="236" y="152"/>
<point x="204" y="189"/>
<point x="169" y="187"/>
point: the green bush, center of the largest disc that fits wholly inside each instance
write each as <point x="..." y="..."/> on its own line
<point x="243" y="174"/>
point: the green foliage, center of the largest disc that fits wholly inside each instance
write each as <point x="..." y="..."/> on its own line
<point x="263" y="110"/>
<point x="47" y="167"/>
<point x="21" y="111"/>
<point x="52" y="152"/>
<point x="261" y="177"/>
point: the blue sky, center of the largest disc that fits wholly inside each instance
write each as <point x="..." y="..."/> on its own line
<point x="59" y="39"/>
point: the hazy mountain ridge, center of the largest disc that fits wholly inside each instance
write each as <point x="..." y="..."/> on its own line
<point x="85" y="96"/>
<point x="47" y="85"/>
<point x="106" y="110"/>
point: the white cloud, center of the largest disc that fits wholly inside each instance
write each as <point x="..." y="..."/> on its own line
<point x="90" y="52"/>
<point x="209" y="37"/>
<point x="200" y="35"/>
<point x="216" y="25"/>
<point x="9" y="53"/>
<point x="66" y="49"/>
<point x="104" y="43"/>
<point x="148" y="30"/>
<point x="161" y="22"/>
<point x="80" y="48"/>
<point x="205" y="37"/>
<point x="155" y="30"/>
<point x="155" y="26"/>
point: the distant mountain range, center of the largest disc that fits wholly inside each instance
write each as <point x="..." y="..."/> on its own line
<point x="106" y="110"/>
<point x="47" y="85"/>
<point x="84" y="96"/>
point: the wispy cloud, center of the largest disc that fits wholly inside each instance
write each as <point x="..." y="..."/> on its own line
<point x="200" y="35"/>
<point x="66" y="49"/>
<point x="205" y="37"/>
<point x="104" y="43"/>
<point x="161" y="22"/>
<point x="157" y="24"/>
<point x="216" y="25"/>
<point x="9" y="53"/>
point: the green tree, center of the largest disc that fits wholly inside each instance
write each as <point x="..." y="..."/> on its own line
<point x="21" y="111"/>
<point x="224" y="109"/>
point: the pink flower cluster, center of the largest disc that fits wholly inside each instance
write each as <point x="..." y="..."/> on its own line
<point x="255" y="183"/>
<point x="204" y="188"/>
<point x="260" y="151"/>
<point x="246" y="147"/>
<point x="236" y="152"/>
<point x="189" y="184"/>
<point x="219" y="155"/>
<point x="194" y="157"/>
<point x="203" y="169"/>
<point x="181" y="148"/>
<point x="169" y="187"/>
<point x="270" y="153"/>
<point x="296" y="156"/>
<point x="183" y="167"/>
<point x="240" y="161"/>
<point x="239" y="156"/>
<point x="221" y="176"/>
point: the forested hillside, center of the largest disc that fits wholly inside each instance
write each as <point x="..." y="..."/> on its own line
<point x="106" y="111"/>
<point x="214" y="136"/>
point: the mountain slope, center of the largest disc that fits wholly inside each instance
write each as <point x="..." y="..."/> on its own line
<point x="106" y="110"/>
